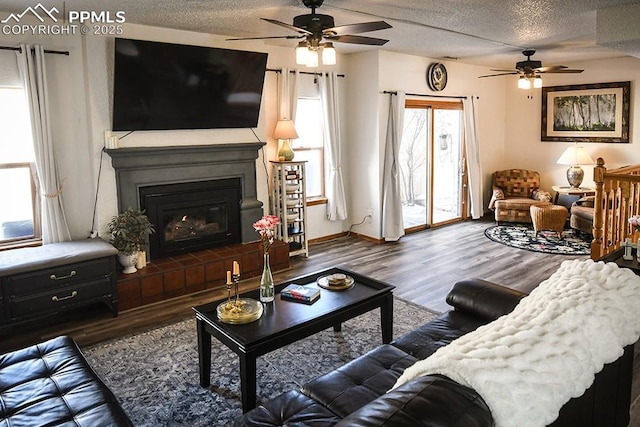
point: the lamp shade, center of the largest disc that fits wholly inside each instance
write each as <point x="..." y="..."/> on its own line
<point x="328" y="54"/>
<point x="537" y="82"/>
<point x="312" y="58"/>
<point x="301" y="53"/>
<point x="575" y="155"/>
<point x="285" y="130"/>
<point x="524" y="83"/>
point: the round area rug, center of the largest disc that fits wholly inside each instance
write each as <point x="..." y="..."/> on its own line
<point x="522" y="236"/>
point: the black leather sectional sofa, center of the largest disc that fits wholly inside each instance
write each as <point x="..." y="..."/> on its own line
<point x="51" y="384"/>
<point x="356" y="394"/>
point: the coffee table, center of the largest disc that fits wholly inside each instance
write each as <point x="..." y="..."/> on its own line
<point x="284" y="322"/>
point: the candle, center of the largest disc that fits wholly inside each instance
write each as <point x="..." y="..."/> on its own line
<point x="228" y="277"/>
<point x="236" y="268"/>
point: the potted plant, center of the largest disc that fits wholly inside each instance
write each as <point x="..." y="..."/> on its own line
<point x="129" y="231"/>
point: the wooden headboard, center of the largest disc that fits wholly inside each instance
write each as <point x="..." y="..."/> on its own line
<point x="617" y="199"/>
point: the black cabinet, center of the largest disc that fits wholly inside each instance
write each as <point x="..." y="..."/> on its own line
<point x="38" y="293"/>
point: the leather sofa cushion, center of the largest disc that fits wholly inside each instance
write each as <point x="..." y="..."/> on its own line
<point x="52" y="384"/>
<point x="289" y="409"/>
<point x="425" y="340"/>
<point x="475" y="301"/>
<point x="360" y="381"/>
<point x="431" y="400"/>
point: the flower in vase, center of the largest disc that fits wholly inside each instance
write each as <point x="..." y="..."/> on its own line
<point x="266" y="226"/>
<point x="635" y="222"/>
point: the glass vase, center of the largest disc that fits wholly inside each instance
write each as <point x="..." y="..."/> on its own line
<point x="267" y="290"/>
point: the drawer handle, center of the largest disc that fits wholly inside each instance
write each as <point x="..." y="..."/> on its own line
<point x="56" y="299"/>
<point x="54" y="277"/>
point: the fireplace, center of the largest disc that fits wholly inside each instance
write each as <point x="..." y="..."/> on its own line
<point x="223" y="176"/>
<point x="192" y="216"/>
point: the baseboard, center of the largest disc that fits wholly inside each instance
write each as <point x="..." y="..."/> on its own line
<point x="344" y="234"/>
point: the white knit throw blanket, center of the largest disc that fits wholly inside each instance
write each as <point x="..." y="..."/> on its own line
<point x="527" y="364"/>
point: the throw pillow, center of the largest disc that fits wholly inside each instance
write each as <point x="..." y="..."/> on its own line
<point x="498" y="194"/>
<point x="543" y="196"/>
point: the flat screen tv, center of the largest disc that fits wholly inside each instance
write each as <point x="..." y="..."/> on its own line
<point x="162" y="86"/>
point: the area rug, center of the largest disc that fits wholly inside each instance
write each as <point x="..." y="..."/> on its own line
<point x="522" y="236"/>
<point x="155" y="374"/>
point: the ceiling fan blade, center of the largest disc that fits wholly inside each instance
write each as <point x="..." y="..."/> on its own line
<point x="357" y="40"/>
<point x="501" y="74"/>
<point x="511" y="70"/>
<point x="285" y="25"/>
<point x="265" y="38"/>
<point x="550" y="68"/>
<point x="565" y="70"/>
<point x="363" y="27"/>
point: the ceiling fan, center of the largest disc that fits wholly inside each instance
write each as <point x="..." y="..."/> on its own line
<point x="531" y="70"/>
<point x="319" y="31"/>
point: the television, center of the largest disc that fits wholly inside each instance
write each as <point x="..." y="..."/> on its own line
<point x="163" y="86"/>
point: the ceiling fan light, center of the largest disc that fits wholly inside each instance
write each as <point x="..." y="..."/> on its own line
<point x="302" y="52"/>
<point x="537" y="82"/>
<point x="328" y="54"/>
<point x="524" y="83"/>
<point x="312" y="58"/>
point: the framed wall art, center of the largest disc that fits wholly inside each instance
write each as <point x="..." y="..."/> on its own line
<point x="596" y="112"/>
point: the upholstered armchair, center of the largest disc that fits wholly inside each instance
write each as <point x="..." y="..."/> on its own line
<point x="582" y="214"/>
<point x="514" y="191"/>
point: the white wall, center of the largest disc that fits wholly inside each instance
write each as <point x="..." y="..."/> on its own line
<point x="523" y="145"/>
<point x="380" y="71"/>
<point x="509" y="123"/>
<point x="81" y="94"/>
<point x="362" y="163"/>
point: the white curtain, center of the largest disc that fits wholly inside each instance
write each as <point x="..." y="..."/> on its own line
<point x="472" y="145"/>
<point x="33" y="73"/>
<point x="392" y="223"/>
<point x="336" y="200"/>
<point x="288" y="94"/>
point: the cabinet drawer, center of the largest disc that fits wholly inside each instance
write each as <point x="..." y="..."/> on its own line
<point x="60" y="297"/>
<point x="52" y="278"/>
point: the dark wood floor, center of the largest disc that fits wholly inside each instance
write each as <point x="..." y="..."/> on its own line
<point x="423" y="266"/>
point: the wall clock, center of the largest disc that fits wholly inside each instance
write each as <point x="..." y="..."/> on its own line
<point x="437" y="76"/>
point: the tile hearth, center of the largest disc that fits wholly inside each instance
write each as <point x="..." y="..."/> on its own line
<point x="193" y="272"/>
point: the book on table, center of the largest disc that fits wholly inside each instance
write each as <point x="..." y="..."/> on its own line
<point x="300" y="293"/>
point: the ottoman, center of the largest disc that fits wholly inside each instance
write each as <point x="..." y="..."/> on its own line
<point x="548" y="217"/>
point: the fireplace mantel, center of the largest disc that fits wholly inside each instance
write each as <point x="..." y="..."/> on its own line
<point x="137" y="167"/>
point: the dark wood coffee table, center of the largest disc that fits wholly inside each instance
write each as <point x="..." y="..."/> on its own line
<point x="284" y="322"/>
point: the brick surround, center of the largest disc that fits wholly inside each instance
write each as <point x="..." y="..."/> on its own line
<point x="196" y="271"/>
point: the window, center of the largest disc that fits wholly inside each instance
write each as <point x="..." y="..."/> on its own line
<point x="310" y="144"/>
<point x="19" y="220"/>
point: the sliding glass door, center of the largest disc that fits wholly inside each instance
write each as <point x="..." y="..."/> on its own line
<point x="432" y="164"/>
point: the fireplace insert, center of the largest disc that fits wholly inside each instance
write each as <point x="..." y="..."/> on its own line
<point x="192" y="216"/>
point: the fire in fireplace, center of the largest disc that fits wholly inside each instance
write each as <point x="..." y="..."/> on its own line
<point x="192" y="216"/>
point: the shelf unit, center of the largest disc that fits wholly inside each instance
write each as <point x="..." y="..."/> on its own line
<point x="289" y="204"/>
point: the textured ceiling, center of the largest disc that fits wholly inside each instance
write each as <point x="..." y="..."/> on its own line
<point x="486" y="32"/>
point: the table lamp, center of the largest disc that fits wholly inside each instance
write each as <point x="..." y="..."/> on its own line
<point x="575" y="156"/>
<point x="284" y="132"/>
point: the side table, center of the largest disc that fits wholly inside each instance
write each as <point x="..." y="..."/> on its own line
<point x="565" y="195"/>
